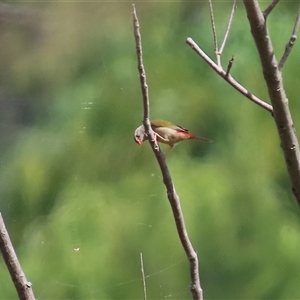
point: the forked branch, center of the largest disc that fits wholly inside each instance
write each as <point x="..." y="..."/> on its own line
<point x="171" y="192"/>
<point x="218" y="51"/>
<point x="272" y="74"/>
<point x="226" y="76"/>
<point x="273" y="78"/>
<point x="272" y="5"/>
<point x="217" y="67"/>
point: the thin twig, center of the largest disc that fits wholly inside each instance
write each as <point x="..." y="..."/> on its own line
<point x="213" y="25"/>
<point x="143" y="276"/>
<point x="272" y="5"/>
<point x="171" y="192"/>
<point x="228" y="77"/>
<point x="234" y="6"/>
<point x="290" y="44"/>
<point x="23" y="287"/>
<point x="144" y="85"/>
<point x="230" y="63"/>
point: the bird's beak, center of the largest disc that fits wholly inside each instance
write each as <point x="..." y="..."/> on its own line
<point x="138" y="141"/>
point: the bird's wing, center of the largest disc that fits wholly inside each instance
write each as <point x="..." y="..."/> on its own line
<point x="162" y="123"/>
<point x="180" y="128"/>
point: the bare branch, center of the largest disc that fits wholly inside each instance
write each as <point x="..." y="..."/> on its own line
<point x="213" y="25"/>
<point x="144" y="86"/>
<point x="290" y="44"/>
<point x="281" y="111"/>
<point x="234" y="6"/>
<point x="267" y="11"/>
<point x="228" y="77"/>
<point x="23" y="287"/>
<point x="143" y="276"/>
<point x="171" y="192"/>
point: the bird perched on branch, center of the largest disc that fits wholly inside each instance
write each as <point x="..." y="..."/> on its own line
<point x="166" y="133"/>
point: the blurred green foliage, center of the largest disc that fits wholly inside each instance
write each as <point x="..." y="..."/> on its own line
<point x="81" y="200"/>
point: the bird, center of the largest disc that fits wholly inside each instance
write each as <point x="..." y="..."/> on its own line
<point x="166" y="133"/>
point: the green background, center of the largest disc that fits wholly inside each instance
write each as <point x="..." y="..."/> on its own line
<point x="81" y="200"/>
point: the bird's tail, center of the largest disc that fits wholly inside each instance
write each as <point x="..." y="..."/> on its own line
<point x="200" y="138"/>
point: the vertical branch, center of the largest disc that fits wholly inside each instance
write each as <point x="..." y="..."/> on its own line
<point x="213" y="25"/>
<point x="143" y="276"/>
<point x="23" y="287"/>
<point x="173" y="197"/>
<point x="142" y="73"/>
<point x="273" y="79"/>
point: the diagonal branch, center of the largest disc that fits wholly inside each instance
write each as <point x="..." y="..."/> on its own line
<point x="23" y="287"/>
<point x="228" y="77"/>
<point x="290" y="44"/>
<point x="234" y="6"/>
<point x="171" y="192"/>
<point x="272" y="5"/>
<point x="273" y="79"/>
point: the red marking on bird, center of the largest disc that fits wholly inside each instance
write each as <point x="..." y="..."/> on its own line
<point x="186" y="135"/>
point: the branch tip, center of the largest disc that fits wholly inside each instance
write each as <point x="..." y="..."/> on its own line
<point x="230" y="63"/>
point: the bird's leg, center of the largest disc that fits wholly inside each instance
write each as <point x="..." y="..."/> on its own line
<point x="156" y="136"/>
<point x="159" y="136"/>
<point x="165" y="140"/>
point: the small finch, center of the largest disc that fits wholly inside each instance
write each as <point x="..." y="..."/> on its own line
<point x="166" y="133"/>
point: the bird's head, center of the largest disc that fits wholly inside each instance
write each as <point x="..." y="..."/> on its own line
<point x="139" y="135"/>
